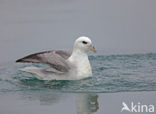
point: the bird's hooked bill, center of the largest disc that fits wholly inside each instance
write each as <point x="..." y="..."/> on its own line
<point x="91" y="47"/>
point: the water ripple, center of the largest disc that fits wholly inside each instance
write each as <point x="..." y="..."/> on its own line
<point x="114" y="73"/>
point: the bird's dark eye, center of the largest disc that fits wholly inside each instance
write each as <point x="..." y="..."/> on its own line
<point x="84" y="42"/>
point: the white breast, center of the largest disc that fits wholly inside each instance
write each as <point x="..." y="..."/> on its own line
<point x="83" y="67"/>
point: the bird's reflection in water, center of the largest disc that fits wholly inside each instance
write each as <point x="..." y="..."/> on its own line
<point x="87" y="103"/>
<point x="44" y="97"/>
<point x="50" y="99"/>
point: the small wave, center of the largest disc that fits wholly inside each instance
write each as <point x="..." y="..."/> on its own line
<point x="112" y="73"/>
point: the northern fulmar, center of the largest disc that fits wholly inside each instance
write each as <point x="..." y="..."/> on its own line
<point x="64" y="65"/>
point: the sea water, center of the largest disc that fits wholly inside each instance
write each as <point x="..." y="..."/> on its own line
<point x="116" y="79"/>
<point x="111" y="73"/>
<point x="30" y="26"/>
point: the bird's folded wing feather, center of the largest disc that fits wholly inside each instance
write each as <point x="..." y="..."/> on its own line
<point x="55" y="58"/>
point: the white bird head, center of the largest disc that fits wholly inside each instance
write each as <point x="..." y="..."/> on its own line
<point x="84" y="44"/>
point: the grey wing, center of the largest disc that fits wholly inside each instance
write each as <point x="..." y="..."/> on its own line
<point x="55" y="58"/>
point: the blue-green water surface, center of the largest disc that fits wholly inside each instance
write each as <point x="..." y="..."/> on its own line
<point x="111" y="73"/>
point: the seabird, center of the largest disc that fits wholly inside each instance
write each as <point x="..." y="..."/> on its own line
<point x="64" y="65"/>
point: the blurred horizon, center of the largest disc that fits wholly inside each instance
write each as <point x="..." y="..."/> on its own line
<point x="115" y="26"/>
